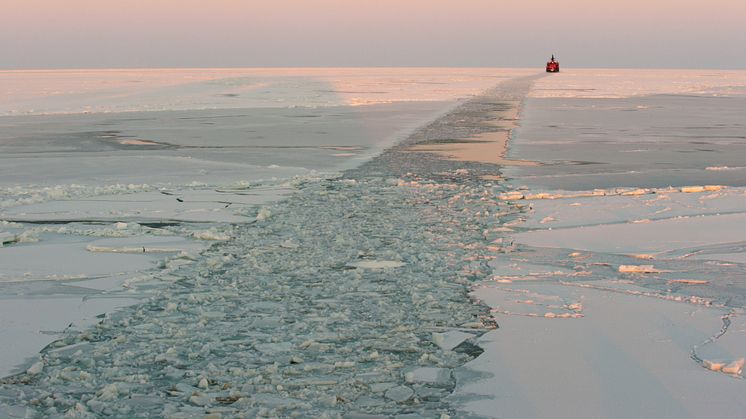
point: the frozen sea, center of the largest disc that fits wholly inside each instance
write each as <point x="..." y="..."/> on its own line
<point x="118" y="184"/>
<point x="269" y="243"/>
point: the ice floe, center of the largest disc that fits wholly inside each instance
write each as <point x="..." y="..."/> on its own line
<point x="629" y="339"/>
<point x="376" y="264"/>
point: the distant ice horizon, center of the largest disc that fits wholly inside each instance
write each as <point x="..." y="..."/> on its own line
<point x="538" y="65"/>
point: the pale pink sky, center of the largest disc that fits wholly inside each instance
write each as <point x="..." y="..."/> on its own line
<point x="216" y="33"/>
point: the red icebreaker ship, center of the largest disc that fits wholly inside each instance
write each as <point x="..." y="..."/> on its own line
<point x="553" y="66"/>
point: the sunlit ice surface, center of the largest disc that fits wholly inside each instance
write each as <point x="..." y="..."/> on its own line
<point x="623" y="83"/>
<point x="76" y="91"/>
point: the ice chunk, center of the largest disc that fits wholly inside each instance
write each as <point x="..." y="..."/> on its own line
<point x="692" y="189"/>
<point x="109" y="392"/>
<point x="688" y="281"/>
<point x="451" y="339"/>
<point x="211" y="235"/>
<point x="735" y="367"/>
<point x="36" y="368"/>
<point x="199" y="399"/>
<point x="721" y="168"/>
<point x="638" y="269"/>
<point x="289" y="244"/>
<point x="698" y="189"/>
<point x="274" y="348"/>
<point x="7" y="238"/>
<point x="636" y="192"/>
<point x="376" y="264"/>
<point x="713" y="365"/>
<point x="263" y="214"/>
<point x="28" y="236"/>
<point x="429" y="375"/>
<point x="512" y="196"/>
<point x="399" y="393"/>
<point x="79" y="410"/>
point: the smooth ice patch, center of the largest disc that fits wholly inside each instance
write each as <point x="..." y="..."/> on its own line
<point x="606" y="83"/>
<point x="657" y="205"/>
<point x="520" y="301"/>
<point x="146" y="244"/>
<point x="429" y="375"/>
<point x="28" y="323"/>
<point x="627" y="345"/>
<point x="376" y="264"/>
<point x="650" y="237"/>
<point x="447" y="341"/>
<point x="174" y="205"/>
<point x="65" y="260"/>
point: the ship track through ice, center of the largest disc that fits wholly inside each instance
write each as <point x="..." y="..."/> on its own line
<point x="350" y="297"/>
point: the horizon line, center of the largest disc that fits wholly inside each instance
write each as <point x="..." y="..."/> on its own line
<point x="538" y="68"/>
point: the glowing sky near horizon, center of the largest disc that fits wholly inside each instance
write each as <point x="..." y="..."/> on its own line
<point x="251" y="33"/>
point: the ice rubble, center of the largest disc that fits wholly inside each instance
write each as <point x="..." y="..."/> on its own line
<point x="638" y="269"/>
<point x="288" y="315"/>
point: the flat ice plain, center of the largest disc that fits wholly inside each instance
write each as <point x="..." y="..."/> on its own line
<point x="623" y="293"/>
<point x="181" y="243"/>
